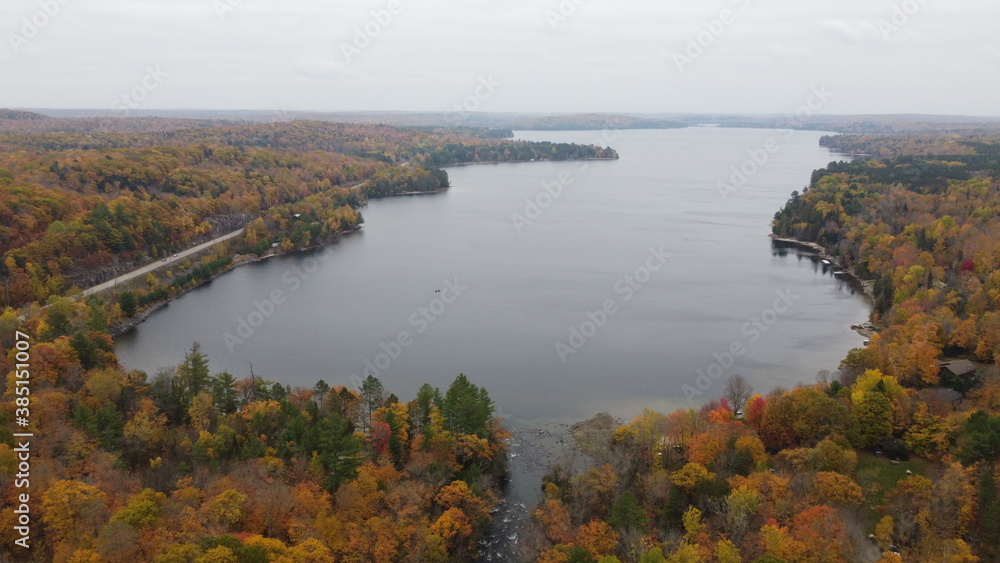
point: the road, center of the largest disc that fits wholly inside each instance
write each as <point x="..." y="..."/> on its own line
<point x="158" y="264"/>
<point x="179" y="256"/>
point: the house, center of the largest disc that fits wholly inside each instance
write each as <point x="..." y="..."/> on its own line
<point x="958" y="368"/>
<point x="893" y="449"/>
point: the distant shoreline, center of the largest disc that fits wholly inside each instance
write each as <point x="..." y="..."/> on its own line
<point x="457" y="164"/>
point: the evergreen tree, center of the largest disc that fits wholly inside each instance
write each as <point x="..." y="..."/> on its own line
<point x="128" y="302"/>
<point x="467" y="408"/>
<point x="627" y="513"/>
<point x="224" y="393"/>
<point x="338" y="451"/>
<point x="372" y="395"/>
<point x="193" y="372"/>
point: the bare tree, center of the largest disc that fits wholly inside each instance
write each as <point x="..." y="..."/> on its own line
<point x="738" y="391"/>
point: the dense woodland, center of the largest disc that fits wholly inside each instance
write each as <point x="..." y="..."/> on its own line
<point x="925" y="230"/>
<point x="78" y="206"/>
<point x="191" y="466"/>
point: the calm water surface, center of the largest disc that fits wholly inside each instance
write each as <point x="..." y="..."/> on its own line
<point x="525" y="286"/>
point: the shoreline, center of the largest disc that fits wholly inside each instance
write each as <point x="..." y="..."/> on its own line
<point x="401" y="194"/>
<point x="865" y="329"/>
<point x="457" y="164"/>
<point x="141" y="317"/>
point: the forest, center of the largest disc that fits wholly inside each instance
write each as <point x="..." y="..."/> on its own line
<point x="188" y="465"/>
<point x="889" y="459"/>
<point x="924" y="231"/>
<point x="79" y="205"/>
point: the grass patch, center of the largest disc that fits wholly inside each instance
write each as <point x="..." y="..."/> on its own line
<point x="877" y="477"/>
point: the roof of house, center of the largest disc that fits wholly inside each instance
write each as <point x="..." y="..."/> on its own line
<point x="959" y="367"/>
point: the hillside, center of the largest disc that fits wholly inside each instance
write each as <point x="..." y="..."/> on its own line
<point x="78" y="206"/>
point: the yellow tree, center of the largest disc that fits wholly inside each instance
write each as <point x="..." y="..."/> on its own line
<point x="726" y="552"/>
<point x="689" y="476"/>
<point x="836" y="490"/>
<point x="884" y="531"/>
<point x="73" y="510"/>
<point x="227" y="508"/>
<point x="777" y="542"/>
<point x="693" y="524"/>
<point x="219" y="554"/>
<point x="309" y="551"/>
<point x="454" y="526"/>
<point x="459" y="495"/>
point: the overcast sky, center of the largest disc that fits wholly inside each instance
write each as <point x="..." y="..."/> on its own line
<point x="603" y="55"/>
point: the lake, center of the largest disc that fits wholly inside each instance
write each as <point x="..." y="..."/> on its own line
<point x="564" y="288"/>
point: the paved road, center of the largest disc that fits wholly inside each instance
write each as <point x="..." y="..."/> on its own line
<point x="179" y="256"/>
<point x="158" y="264"/>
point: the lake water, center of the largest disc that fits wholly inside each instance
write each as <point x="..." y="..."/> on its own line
<point x="572" y="309"/>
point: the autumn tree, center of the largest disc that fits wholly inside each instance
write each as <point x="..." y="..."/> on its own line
<point x="822" y="533"/>
<point x="598" y="538"/>
<point x="73" y="510"/>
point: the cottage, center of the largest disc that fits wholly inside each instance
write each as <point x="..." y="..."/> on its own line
<point x="893" y="449"/>
<point x="958" y="368"/>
